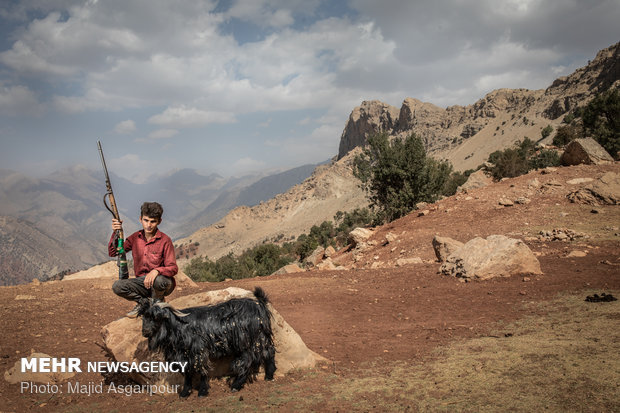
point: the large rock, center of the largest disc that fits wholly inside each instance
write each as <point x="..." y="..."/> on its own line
<point x="359" y="236"/>
<point x="109" y="272"/>
<point x="316" y="256"/>
<point x="478" y="179"/>
<point x="585" y="151"/>
<point x="16" y="375"/>
<point x="124" y="342"/>
<point x="445" y="246"/>
<point x="604" y="191"/>
<point x="496" y="256"/>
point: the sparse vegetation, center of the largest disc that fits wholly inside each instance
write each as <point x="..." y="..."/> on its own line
<point x="601" y="120"/>
<point x="266" y="258"/>
<point x="520" y="159"/>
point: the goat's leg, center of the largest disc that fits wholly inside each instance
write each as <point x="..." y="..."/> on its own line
<point x="187" y="384"/>
<point x="270" y="368"/>
<point x="241" y="370"/>
<point x="203" y="388"/>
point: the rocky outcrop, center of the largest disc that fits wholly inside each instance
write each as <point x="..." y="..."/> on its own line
<point x="585" y="151"/>
<point x="124" y="342"/>
<point x="368" y="118"/>
<point x="604" y="191"/>
<point x="496" y="256"/>
<point x="466" y="135"/>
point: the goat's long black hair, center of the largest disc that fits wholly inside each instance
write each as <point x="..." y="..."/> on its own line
<point x="203" y="334"/>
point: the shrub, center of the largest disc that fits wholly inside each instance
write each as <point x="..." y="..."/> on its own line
<point x="546" y="131"/>
<point x="398" y="174"/>
<point x="601" y="120"/>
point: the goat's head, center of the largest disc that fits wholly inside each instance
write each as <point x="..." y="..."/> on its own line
<point x="154" y="313"/>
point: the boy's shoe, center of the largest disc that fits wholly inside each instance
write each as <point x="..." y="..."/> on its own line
<point x="133" y="313"/>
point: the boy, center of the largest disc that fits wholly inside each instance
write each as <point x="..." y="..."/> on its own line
<point x="153" y="259"/>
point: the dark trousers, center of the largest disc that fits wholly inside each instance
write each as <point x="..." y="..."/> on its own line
<point x="133" y="289"/>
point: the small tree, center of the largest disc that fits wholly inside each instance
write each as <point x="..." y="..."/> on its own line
<point x="601" y="120"/>
<point x="398" y="174"/>
<point x="546" y="131"/>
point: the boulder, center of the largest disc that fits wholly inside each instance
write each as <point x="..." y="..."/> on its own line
<point x="329" y="251"/>
<point x="15" y="374"/>
<point x="359" y="236"/>
<point x="445" y="246"/>
<point x="603" y="191"/>
<point x="477" y="179"/>
<point x="496" y="256"/>
<point x="585" y="151"/>
<point x="315" y="257"/>
<point x="288" y="269"/>
<point x="124" y="342"/>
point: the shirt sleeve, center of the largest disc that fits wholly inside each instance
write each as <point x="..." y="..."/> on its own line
<point x="169" y="266"/>
<point x="112" y="245"/>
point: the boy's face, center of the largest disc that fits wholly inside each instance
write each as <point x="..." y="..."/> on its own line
<point x="149" y="224"/>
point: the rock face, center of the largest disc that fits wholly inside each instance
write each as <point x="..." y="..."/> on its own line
<point x="466" y="135"/>
<point x="123" y="340"/>
<point x="604" y="191"/>
<point x="585" y="151"/>
<point x="496" y="256"/>
<point x="368" y="118"/>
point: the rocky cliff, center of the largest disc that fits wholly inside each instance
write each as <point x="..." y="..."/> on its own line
<point x="466" y="135"/>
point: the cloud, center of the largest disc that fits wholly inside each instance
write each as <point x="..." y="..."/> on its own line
<point x="125" y="127"/>
<point x="18" y="101"/>
<point x="134" y="168"/>
<point x="163" y="134"/>
<point x="247" y="164"/>
<point x="182" y="116"/>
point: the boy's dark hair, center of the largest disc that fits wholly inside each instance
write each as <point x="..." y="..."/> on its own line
<point x="152" y="210"/>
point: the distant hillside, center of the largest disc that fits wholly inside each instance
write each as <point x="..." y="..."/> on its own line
<point x="25" y="250"/>
<point x="68" y="227"/>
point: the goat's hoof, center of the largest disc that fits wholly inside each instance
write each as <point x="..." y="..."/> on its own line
<point x="184" y="395"/>
<point x="203" y="394"/>
<point x="233" y="390"/>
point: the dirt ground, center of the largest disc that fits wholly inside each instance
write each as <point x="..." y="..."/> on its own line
<point x="387" y="331"/>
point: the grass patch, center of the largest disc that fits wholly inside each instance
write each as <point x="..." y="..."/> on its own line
<point x="564" y="361"/>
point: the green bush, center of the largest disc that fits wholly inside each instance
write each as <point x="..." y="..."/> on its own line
<point x="398" y="174"/>
<point x="601" y="120"/>
<point x="566" y="134"/>
<point x="546" y="131"/>
<point x="512" y="162"/>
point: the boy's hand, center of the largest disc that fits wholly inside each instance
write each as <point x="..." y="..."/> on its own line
<point x="117" y="224"/>
<point x="149" y="278"/>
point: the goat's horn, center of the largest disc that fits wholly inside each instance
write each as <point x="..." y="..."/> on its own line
<point x="174" y="310"/>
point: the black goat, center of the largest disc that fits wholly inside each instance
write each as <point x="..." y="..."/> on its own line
<point x="239" y="328"/>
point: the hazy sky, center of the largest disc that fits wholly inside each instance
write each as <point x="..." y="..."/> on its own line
<point x="243" y="85"/>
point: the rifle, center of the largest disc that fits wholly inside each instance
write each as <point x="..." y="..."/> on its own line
<point x="121" y="260"/>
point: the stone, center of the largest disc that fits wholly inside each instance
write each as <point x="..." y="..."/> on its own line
<point x="585" y="151"/>
<point x="123" y="341"/>
<point x="478" y="179"/>
<point x="16" y="375"/>
<point x="359" y="236"/>
<point x="603" y="191"/>
<point x="401" y="262"/>
<point x="445" y="246"/>
<point x="496" y="256"/>
<point x="315" y="257"/>
<point x="329" y="251"/>
<point x="288" y="269"/>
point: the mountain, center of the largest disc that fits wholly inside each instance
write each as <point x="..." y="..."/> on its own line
<point x="465" y="135"/>
<point x="59" y="223"/>
<point x="25" y="250"/>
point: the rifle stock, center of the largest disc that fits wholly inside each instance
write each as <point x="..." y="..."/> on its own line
<point x="121" y="260"/>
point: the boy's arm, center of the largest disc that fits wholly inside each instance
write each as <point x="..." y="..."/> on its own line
<point x="169" y="266"/>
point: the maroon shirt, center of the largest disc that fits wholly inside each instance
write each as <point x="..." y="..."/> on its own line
<point x="156" y="254"/>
